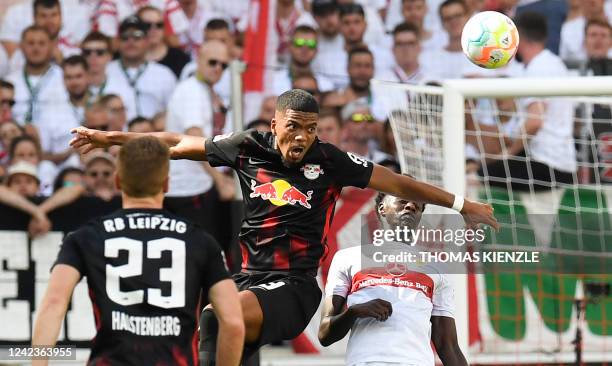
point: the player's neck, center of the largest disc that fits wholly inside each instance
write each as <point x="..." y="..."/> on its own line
<point x="155" y="202"/>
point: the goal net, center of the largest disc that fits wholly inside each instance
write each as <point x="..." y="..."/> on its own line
<point x="466" y="136"/>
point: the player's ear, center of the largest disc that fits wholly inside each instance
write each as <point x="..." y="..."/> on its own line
<point x="273" y="126"/>
<point x="117" y="181"/>
<point x="166" y="184"/>
<point x="381" y="209"/>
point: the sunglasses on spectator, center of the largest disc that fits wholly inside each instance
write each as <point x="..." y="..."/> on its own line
<point x="301" y="42"/>
<point x="94" y="51"/>
<point x="362" y="117"/>
<point x="137" y="35"/>
<point x="158" y="25"/>
<point x="101" y="173"/>
<point x="9" y="102"/>
<point x="214" y="63"/>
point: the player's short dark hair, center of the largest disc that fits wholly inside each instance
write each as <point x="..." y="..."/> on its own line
<point x="381" y="196"/>
<point x="304" y="29"/>
<point x="452" y="2"/>
<point x="143" y="166"/>
<point x="217" y="24"/>
<point x="297" y="100"/>
<point x="75" y="60"/>
<point x="532" y="26"/>
<point x="351" y="8"/>
<point x="96" y="36"/>
<point x="358" y="51"/>
<point x="6" y="85"/>
<point x="406" y="27"/>
<point x="47" y="4"/>
<point x="34" y="28"/>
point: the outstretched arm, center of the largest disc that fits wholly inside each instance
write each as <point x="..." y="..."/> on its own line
<point x="444" y="337"/>
<point x="53" y="306"/>
<point x="181" y="146"/>
<point x="385" y="180"/>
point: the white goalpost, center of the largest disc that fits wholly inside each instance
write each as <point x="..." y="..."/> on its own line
<point x="522" y="317"/>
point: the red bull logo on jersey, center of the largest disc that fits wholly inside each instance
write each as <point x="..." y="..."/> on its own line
<point x="280" y="193"/>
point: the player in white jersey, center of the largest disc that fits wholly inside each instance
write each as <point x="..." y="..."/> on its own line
<point x="393" y="313"/>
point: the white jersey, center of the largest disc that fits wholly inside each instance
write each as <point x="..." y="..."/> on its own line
<point x="416" y="295"/>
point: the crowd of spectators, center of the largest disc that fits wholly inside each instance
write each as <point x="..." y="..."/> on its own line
<point x="155" y="65"/>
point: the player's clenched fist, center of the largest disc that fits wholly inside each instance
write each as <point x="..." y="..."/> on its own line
<point x="475" y="213"/>
<point x="379" y="309"/>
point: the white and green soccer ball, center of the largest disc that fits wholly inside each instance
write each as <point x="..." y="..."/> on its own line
<point x="490" y="39"/>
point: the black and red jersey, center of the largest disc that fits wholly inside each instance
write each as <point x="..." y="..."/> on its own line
<point x="288" y="209"/>
<point x="146" y="270"/>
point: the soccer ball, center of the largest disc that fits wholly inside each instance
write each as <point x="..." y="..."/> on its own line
<point x="490" y="39"/>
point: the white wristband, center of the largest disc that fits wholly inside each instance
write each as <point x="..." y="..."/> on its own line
<point x="458" y="203"/>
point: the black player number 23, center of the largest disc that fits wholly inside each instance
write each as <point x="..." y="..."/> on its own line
<point x="175" y="274"/>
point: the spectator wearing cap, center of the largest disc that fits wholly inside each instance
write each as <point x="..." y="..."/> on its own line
<point x="7" y="101"/>
<point x="159" y="51"/>
<point x="145" y="87"/>
<point x="195" y="109"/>
<point x="302" y="50"/>
<point x="359" y="132"/>
<point x="99" y="175"/>
<point x="26" y="148"/>
<point x="352" y="26"/>
<point x="39" y="85"/>
<point x="22" y="178"/>
<point x="96" y="48"/>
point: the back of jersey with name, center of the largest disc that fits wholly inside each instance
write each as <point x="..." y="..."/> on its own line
<point x="145" y="270"/>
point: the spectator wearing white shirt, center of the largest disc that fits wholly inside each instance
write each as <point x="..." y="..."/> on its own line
<point x="217" y="29"/>
<point x="406" y="52"/>
<point x="598" y="40"/>
<point x="70" y="29"/>
<point x="198" y="16"/>
<point x="547" y="132"/>
<point x="195" y="109"/>
<point x="48" y="15"/>
<point x="375" y="31"/>
<point x="97" y="51"/>
<point x="572" y="48"/>
<point x="414" y="11"/>
<point x="55" y="131"/>
<point x="327" y="15"/>
<point x="352" y="26"/>
<point x="145" y="87"/>
<point x="449" y="62"/>
<point x="39" y="85"/>
<point x="302" y="50"/>
<point x="288" y="17"/>
<point x="7" y="101"/>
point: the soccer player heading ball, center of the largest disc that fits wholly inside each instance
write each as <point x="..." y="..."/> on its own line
<point x="290" y="183"/>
